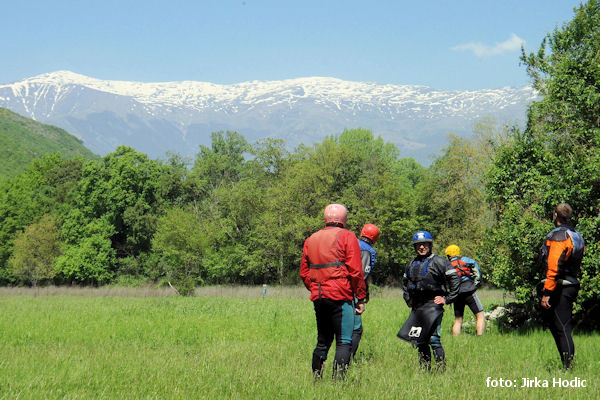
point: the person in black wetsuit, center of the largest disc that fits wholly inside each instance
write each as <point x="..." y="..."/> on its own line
<point x="424" y="283"/>
<point x="561" y="256"/>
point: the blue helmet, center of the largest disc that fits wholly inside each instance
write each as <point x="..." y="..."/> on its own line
<point x="422" y="237"/>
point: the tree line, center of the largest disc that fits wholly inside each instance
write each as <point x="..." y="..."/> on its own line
<point x="240" y="212"/>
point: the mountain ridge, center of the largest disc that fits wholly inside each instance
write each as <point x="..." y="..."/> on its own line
<point x="179" y="116"/>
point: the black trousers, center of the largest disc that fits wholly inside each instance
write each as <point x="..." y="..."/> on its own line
<point x="558" y="319"/>
<point x="356" y="336"/>
<point x="335" y="319"/>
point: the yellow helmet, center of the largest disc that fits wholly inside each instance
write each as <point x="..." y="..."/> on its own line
<point x="452" y="250"/>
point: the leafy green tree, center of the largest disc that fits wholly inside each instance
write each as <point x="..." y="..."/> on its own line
<point x="176" y="189"/>
<point x="267" y="258"/>
<point x="517" y="181"/>
<point x="91" y="259"/>
<point x="214" y="243"/>
<point x="381" y="189"/>
<point x="258" y="203"/>
<point x="270" y="159"/>
<point x="556" y="159"/>
<point x="122" y="193"/>
<point x="44" y="188"/>
<point x="221" y="164"/>
<point x="231" y="198"/>
<point x="35" y="250"/>
<point x="355" y="169"/>
<point x="181" y="242"/>
<point x="453" y="195"/>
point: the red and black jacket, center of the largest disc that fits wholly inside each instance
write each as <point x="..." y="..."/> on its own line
<point x="331" y="265"/>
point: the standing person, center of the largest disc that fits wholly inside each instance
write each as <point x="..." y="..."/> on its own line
<point x="561" y="256"/>
<point x="470" y="276"/>
<point x="424" y="284"/>
<point x="368" y="237"/>
<point x="331" y="270"/>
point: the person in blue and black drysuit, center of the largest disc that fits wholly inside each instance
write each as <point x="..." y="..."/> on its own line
<point x="424" y="283"/>
<point x="368" y="236"/>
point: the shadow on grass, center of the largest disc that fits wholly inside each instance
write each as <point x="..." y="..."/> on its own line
<point x="525" y="318"/>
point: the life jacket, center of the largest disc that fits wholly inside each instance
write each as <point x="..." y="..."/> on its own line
<point x="569" y="268"/>
<point x="461" y="267"/>
<point x="324" y="258"/>
<point x="420" y="280"/>
<point x="577" y="252"/>
<point x="367" y="255"/>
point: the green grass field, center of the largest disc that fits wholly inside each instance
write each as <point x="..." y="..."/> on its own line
<point x="232" y="343"/>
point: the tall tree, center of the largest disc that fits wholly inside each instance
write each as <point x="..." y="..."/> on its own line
<point x="556" y="159"/>
<point x="44" y="188"/>
<point x="117" y="201"/>
<point x="221" y="164"/>
<point x="453" y="196"/>
<point x="35" y="250"/>
<point x="181" y="242"/>
<point x="355" y="169"/>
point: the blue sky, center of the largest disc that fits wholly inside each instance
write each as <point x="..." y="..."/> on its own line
<point x="470" y="44"/>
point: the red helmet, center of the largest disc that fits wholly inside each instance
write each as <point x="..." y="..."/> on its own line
<point x="370" y="231"/>
<point x="335" y="213"/>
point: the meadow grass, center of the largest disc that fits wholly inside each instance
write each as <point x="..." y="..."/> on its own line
<point x="228" y="343"/>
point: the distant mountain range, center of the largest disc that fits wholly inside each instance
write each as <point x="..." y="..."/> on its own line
<point x="155" y="118"/>
<point x="22" y="140"/>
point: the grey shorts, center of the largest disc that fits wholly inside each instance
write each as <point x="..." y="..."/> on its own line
<point x="469" y="299"/>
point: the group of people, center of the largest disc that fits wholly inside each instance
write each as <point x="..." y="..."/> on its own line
<point x="336" y="267"/>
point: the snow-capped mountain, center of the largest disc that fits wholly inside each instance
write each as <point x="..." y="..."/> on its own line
<point x="155" y="118"/>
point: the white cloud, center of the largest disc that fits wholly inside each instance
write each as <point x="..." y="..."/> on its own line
<point x="513" y="43"/>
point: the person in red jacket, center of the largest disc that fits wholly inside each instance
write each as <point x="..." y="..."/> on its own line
<point x="331" y="269"/>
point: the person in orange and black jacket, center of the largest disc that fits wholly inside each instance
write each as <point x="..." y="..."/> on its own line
<point x="561" y="255"/>
<point x="331" y="269"/>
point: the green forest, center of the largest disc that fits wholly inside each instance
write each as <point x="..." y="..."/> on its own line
<point x="23" y="140"/>
<point x="239" y="212"/>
